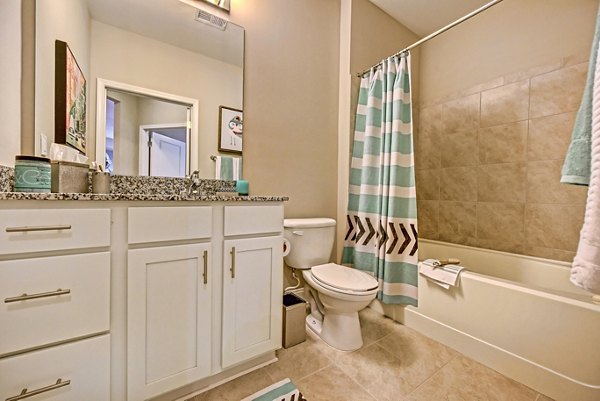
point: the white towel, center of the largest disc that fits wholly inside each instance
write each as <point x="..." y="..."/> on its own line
<point x="585" y="272"/>
<point x="444" y="276"/>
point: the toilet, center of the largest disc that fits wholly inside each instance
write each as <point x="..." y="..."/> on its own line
<point x="336" y="293"/>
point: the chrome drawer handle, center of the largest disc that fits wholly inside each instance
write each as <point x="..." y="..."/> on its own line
<point x="24" y="394"/>
<point x="232" y="262"/>
<point x="25" y="229"/>
<point x="26" y="297"/>
<point x="205" y="256"/>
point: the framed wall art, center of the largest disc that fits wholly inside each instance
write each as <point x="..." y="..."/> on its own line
<point x="231" y="124"/>
<point x="70" y="99"/>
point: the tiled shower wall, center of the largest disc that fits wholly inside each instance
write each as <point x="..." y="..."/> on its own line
<point x="488" y="164"/>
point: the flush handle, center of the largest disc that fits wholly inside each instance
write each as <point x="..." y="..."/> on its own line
<point x="298" y="232"/>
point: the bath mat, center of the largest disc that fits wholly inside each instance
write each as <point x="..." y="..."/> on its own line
<point x="284" y="390"/>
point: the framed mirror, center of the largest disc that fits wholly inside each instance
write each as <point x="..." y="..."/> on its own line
<point x="150" y="50"/>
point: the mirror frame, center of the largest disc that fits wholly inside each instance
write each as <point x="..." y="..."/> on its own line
<point x="104" y="85"/>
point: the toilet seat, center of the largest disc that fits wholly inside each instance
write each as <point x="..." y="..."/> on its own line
<point x="344" y="279"/>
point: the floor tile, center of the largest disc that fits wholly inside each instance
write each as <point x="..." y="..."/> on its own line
<point x="332" y="384"/>
<point x="374" y="326"/>
<point x="237" y="389"/>
<point x="466" y="380"/>
<point x="300" y="360"/>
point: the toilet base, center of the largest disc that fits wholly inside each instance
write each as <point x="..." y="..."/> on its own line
<point x="339" y="330"/>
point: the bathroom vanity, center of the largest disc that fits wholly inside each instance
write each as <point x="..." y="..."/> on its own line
<point x="122" y="298"/>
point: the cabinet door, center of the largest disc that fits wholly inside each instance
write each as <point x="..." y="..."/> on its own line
<point x="252" y="285"/>
<point x="168" y="318"/>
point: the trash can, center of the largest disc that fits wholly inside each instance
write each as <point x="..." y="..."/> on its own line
<point x="294" y="315"/>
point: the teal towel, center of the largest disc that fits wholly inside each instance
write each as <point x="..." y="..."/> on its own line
<point x="228" y="168"/>
<point x="576" y="169"/>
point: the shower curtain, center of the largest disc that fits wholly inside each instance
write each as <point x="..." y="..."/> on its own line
<point x="381" y="235"/>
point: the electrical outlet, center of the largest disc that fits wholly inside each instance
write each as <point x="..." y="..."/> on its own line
<point x="43" y="145"/>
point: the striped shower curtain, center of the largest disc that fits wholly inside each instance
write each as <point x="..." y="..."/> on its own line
<point x="381" y="235"/>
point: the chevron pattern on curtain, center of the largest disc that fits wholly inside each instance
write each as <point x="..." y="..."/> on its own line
<point x="381" y="235"/>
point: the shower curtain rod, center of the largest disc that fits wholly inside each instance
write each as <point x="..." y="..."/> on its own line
<point x="436" y="33"/>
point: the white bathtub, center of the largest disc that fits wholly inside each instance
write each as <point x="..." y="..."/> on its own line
<point x="518" y="315"/>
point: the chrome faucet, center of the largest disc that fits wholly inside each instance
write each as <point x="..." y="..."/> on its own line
<point x="193" y="188"/>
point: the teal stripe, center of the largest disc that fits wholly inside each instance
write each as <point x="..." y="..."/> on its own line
<point x="360" y="124"/>
<point x="402" y="207"/>
<point x="226" y="168"/>
<point x="277" y="393"/>
<point x="401" y="176"/>
<point x="374" y="117"/>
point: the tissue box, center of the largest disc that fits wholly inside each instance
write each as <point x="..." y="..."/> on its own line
<point x="70" y="177"/>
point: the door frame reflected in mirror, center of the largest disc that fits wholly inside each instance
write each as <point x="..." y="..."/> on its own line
<point x="104" y="85"/>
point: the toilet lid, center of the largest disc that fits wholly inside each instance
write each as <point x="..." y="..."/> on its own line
<point x="344" y="278"/>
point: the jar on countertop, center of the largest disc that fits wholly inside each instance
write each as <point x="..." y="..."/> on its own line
<point x="32" y="174"/>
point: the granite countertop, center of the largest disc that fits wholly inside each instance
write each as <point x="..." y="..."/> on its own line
<point x="136" y="197"/>
<point x="138" y="188"/>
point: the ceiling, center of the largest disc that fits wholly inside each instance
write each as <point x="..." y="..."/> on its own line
<point x="172" y="22"/>
<point x="426" y="16"/>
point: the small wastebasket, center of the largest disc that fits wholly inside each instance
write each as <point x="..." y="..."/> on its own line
<point x="294" y="314"/>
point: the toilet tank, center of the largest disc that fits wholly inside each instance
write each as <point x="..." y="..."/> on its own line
<point x="311" y="241"/>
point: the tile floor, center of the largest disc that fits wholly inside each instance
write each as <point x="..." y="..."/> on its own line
<point x="396" y="363"/>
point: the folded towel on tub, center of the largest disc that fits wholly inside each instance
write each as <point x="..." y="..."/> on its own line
<point x="442" y="275"/>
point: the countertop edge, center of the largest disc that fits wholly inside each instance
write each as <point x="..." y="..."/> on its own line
<point x="134" y="197"/>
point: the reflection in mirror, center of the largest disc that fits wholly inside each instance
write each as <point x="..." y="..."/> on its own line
<point x="153" y="44"/>
<point x="146" y="135"/>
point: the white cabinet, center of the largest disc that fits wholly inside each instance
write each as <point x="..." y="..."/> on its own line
<point x="55" y="303"/>
<point x="168" y="318"/>
<point x="74" y="371"/>
<point x="169" y="299"/>
<point x="252" y="285"/>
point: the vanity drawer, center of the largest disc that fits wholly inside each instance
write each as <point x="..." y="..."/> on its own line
<point x="242" y="220"/>
<point x="153" y="224"/>
<point x="55" y="315"/>
<point x="35" y="230"/>
<point x="84" y="364"/>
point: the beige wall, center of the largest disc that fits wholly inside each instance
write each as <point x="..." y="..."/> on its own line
<point x="127" y="137"/>
<point x="291" y="101"/>
<point x="511" y="36"/>
<point x="66" y="20"/>
<point x="10" y="71"/>
<point x="121" y="56"/>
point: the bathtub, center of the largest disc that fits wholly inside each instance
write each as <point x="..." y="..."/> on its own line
<point x="517" y="314"/>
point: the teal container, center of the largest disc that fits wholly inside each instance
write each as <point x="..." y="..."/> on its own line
<point x="32" y="174"/>
<point x="241" y="187"/>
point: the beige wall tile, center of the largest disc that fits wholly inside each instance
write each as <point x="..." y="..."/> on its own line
<point x="428" y="184"/>
<point x="549" y="137"/>
<point x="549" y="253"/>
<point x="459" y="184"/>
<point x="497" y="245"/>
<point x="459" y="149"/>
<point x="503" y="143"/>
<point x="460" y="114"/>
<point x="553" y="226"/>
<point x="458" y="222"/>
<point x="427" y="141"/>
<point x="543" y="184"/>
<point x="558" y="91"/>
<point x="501" y="222"/>
<point x="501" y="182"/>
<point x="427" y="212"/>
<point x="505" y="104"/>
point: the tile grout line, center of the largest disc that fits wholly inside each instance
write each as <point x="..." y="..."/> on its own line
<point x="434" y="373"/>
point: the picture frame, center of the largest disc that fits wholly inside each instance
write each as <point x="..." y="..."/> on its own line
<point x="70" y="98"/>
<point x="231" y="123"/>
<point x="223" y="5"/>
